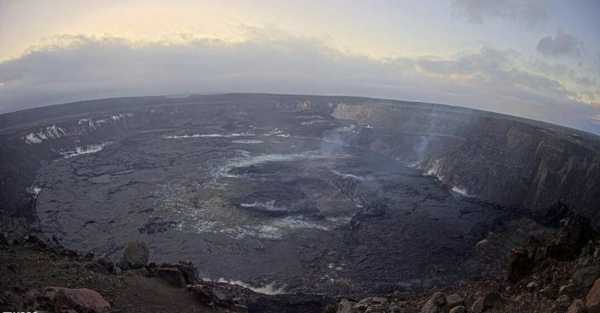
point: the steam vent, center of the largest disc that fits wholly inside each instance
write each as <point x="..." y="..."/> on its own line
<point x="335" y="197"/>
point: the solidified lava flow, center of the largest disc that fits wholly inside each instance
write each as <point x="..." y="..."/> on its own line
<point x="319" y="194"/>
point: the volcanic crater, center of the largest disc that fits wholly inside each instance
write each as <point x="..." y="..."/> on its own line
<point x="302" y="193"/>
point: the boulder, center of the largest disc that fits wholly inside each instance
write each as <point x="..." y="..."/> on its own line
<point x="491" y="300"/>
<point x="455" y="300"/>
<point x="577" y="307"/>
<point x="592" y="300"/>
<point x="435" y="304"/>
<point x="81" y="300"/>
<point x="135" y="256"/>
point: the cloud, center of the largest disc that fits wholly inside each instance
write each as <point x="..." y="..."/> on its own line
<point x="527" y="12"/>
<point x="493" y="77"/>
<point x="562" y="44"/>
<point x="80" y="67"/>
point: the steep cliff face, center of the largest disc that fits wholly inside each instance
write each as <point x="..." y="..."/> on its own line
<point x="506" y="160"/>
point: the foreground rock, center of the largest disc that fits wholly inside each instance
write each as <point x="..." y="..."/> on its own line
<point x="82" y="300"/>
<point x="58" y="299"/>
<point x="592" y="300"/>
<point x="550" y="286"/>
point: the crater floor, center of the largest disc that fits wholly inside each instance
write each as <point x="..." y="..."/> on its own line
<point x="290" y="203"/>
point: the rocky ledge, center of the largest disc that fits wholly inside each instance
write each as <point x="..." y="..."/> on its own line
<point x="557" y="270"/>
<point x="38" y="276"/>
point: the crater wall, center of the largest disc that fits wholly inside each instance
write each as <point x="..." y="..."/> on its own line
<point x="503" y="159"/>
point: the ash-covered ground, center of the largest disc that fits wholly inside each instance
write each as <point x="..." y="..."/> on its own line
<point x="289" y="201"/>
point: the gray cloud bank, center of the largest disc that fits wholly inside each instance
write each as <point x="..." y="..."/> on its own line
<point x="92" y="68"/>
<point x="561" y="44"/>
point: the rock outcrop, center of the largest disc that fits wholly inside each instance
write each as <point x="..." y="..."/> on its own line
<point x="592" y="300"/>
<point x="60" y="299"/>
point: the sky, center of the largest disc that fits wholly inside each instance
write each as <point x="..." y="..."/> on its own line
<point x="533" y="58"/>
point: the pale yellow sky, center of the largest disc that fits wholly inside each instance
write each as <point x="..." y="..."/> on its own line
<point x="475" y="48"/>
<point x="27" y="23"/>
